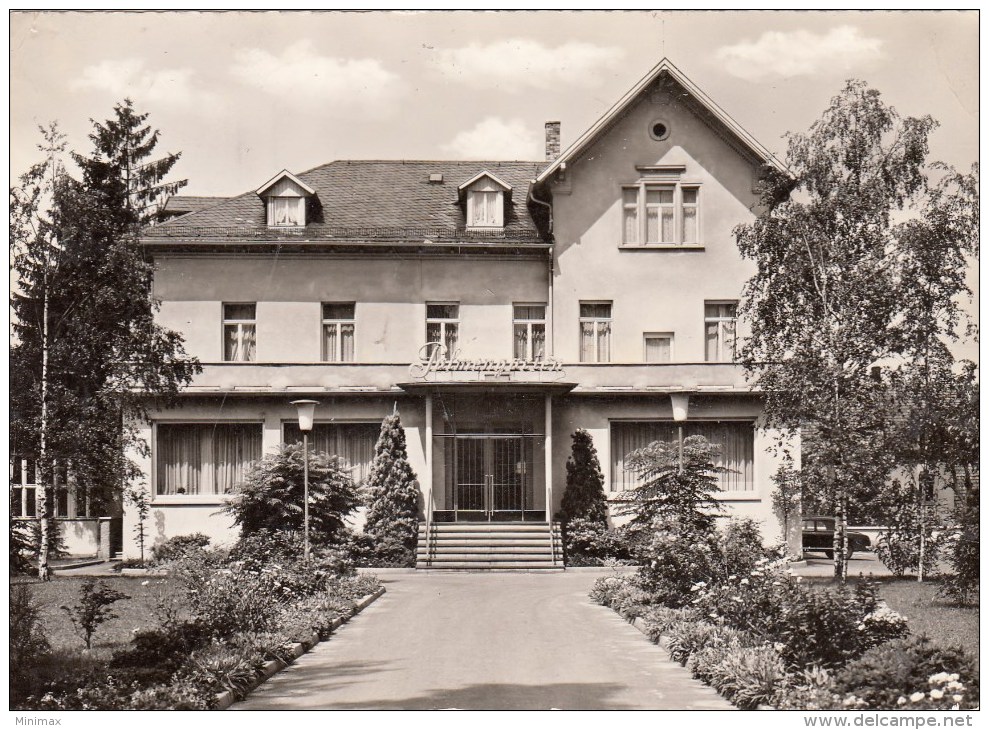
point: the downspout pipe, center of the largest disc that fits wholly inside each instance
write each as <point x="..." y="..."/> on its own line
<point x="549" y="272"/>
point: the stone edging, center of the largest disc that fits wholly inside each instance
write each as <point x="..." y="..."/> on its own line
<point x="227" y="698"/>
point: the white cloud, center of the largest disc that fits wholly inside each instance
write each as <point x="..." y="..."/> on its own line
<point x="129" y="77"/>
<point x="518" y="63"/>
<point x="495" y="138"/>
<point x="799" y="53"/>
<point x="301" y="76"/>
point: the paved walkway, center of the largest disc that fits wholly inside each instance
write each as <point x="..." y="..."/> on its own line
<point x="498" y="641"/>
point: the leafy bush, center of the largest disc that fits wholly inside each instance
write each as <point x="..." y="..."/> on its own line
<point x="903" y="667"/>
<point x="271" y="497"/>
<point x="27" y="640"/>
<point x="687" y="637"/>
<point x="589" y="542"/>
<point x="961" y="584"/>
<point x="93" y="609"/>
<point x="657" y="620"/>
<point x="224" y="667"/>
<point x="825" y="627"/>
<point x="392" y="496"/>
<point x="749" y="675"/>
<point x="383" y="551"/>
<point x="810" y="689"/>
<point x="20" y="547"/>
<point x="623" y="594"/>
<point x="898" y="547"/>
<point x="740" y="548"/>
<point x="178" y="547"/>
<point x="677" y="556"/>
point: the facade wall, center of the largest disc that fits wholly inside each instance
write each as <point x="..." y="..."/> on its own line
<point x="390" y="295"/>
<point x="654" y="289"/>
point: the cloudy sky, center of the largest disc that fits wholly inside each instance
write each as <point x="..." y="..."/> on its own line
<point x="243" y="95"/>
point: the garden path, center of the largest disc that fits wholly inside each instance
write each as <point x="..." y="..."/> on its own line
<point x="496" y="641"/>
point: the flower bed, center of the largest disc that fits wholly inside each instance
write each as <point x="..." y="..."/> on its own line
<point x="219" y="627"/>
<point x="761" y="637"/>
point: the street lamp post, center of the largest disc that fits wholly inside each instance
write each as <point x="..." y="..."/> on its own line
<point x="306" y="409"/>
<point x="681" y="405"/>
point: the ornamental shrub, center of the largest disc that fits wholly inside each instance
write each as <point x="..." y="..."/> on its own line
<point x="903" y="667"/>
<point x="583" y="497"/>
<point x="392" y="494"/>
<point x="20" y="547"/>
<point x="676" y="556"/>
<point x="657" y="620"/>
<point x="27" y="641"/>
<point x="898" y="547"/>
<point x="749" y="675"/>
<point x="93" y="609"/>
<point x="271" y="497"/>
<point x="589" y="542"/>
<point x="740" y="548"/>
<point x="961" y="583"/>
<point x="176" y="548"/>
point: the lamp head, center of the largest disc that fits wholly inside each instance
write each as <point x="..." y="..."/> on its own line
<point x="681" y="405"/>
<point x="306" y="409"/>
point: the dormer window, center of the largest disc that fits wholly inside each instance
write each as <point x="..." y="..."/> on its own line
<point x="285" y="198"/>
<point x="485" y="197"/>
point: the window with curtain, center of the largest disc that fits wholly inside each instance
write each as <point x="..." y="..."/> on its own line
<point x="353" y="442"/>
<point x="736" y="439"/>
<point x="239" y="332"/>
<point x="204" y="458"/>
<point x="443" y="326"/>
<point x="338" y="331"/>
<point x="660" y="214"/>
<point x="286" y="211"/>
<point x="529" y="322"/>
<point x="595" y="331"/>
<point x="719" y="331"/>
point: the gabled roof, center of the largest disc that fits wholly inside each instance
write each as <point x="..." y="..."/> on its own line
<point x="367" y="199"/>
<point x="284" y="174"/>
<point x="664" y="67"/>
<point x="485" y="173"/>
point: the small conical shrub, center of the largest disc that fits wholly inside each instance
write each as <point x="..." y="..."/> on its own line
<point x="584" y="496"/>
<point x="392" y="491"/>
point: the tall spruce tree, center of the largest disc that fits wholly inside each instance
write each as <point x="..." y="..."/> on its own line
<point x="583" y="496"/>
<point x="89" y="358"/>
<point x="392" y="489"/>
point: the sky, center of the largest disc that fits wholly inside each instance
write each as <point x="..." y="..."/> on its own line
<point x="243" y="95"/>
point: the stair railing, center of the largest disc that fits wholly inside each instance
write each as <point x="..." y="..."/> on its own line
<point x="552" y="541"/>
<point x="429" y="525"/>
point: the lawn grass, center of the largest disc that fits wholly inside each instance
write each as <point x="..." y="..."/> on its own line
<point x="136" y="613"/>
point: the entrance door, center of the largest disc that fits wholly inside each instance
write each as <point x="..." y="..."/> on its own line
<point x="492" y="477"/>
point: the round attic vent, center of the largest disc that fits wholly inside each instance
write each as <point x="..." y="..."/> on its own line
<point x="659" y="130"/>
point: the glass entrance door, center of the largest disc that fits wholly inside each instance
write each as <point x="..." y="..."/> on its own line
<point x="492" y="479"/>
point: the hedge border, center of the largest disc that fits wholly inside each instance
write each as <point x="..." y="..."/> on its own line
<point x="227" y="698"/>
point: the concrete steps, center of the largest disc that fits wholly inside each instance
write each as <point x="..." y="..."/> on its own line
<point x="490" y="546"/>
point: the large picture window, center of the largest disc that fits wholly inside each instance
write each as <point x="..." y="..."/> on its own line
<point x="736" y="439"/>
<point x="204" y="458"/>
<point x="353" y="442"/>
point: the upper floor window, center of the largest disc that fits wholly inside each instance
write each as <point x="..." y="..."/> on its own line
<point x="595" y="331"/>
<point x="660" y="214"/>
<point x="338" y="331"/>
<point x="658" y="347"/>
<point x="485" y="197"/>
<point x="239" y="332"/>
<point x="719" y="331"/>
<point x="529" y="324"/>
<point x="285" y="198"/>
<point x="286" y="211"/>
<point x="443" y="327"/>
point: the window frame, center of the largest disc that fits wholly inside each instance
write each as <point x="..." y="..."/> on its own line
<point x="642" y="207"/>
<point x="646" y="336"/>
<point x="337" y="322"/>
<point x="239" y="323"/>
<point x="369" y="423"/>
<point x="215" y="498"/>
<point x="722" y="340"/>
<point x="443" y="322"/>
<point x="597" y="333"/>
<point x="300" y="202"/>
<point x="529" y="356"/>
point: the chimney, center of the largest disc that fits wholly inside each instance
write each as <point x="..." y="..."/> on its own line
<point x="552" y="141"/>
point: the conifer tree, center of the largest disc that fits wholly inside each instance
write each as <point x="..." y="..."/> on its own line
<point x="89" y="358"/>
<point x="392" y="489"/>
<point x="584" y="496"/>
